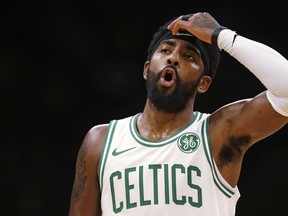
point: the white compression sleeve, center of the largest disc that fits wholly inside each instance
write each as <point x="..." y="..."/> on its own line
<point x="269" y="66"/>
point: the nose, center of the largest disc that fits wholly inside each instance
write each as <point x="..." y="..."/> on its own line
<point x="173" y="60"/>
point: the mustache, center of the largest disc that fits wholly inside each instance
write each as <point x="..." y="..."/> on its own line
<point x="170" y="66"/>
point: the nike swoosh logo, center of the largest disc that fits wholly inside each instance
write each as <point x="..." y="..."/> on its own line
<point x="116" y="153"/>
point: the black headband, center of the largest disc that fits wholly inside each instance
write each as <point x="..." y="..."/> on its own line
<point x="186" y="36"/>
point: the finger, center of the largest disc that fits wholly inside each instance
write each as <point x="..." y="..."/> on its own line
<point x="183" y="17"/>
<point x="172" y="24"/>
<point x="206" y="14"/>
<point x="179" y="25"/>
<point x="186" y="17"/>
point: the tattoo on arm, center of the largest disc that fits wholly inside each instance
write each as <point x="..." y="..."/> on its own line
<point x="81" y="174"/>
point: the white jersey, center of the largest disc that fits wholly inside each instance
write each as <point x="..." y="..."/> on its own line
<point x="175" y="176"/>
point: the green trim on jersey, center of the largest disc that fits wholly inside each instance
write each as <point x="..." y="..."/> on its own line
<point x="149" y="143"/>
<point x="105" y="151"/>
<point x="207" y="148"/>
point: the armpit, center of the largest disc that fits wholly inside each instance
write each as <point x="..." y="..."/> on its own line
<point x="233" y="149"/>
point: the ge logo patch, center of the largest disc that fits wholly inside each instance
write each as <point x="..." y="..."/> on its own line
<point x="188" y="142"/>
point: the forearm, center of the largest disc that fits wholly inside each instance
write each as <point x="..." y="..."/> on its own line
<point x="269" y="66"/>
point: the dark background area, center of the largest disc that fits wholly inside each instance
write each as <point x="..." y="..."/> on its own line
<point x="65" y="67"/>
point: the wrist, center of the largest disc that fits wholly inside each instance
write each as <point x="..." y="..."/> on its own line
<point x="214" y="37"/>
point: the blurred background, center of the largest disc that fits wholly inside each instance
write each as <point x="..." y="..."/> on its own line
<point x="65" y="67"/>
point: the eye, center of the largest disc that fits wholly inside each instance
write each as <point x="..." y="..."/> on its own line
<point x="189" y="56"/>
<point x="165" y="50"/>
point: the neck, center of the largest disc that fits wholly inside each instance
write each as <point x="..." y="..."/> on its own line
<point x="157" y="125"/>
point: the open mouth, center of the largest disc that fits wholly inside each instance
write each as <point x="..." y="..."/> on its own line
<point x="168" y="77"/>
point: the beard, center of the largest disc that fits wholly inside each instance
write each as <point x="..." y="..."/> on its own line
<point x="170" y="102"/>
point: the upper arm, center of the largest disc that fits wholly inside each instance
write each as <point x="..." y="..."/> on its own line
<point x="85" y="196"/>
<point x="254" y="118"/>
<point x="257" y="118"/>
<point x="236" y="127"/>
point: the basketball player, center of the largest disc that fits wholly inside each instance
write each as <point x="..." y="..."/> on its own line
<point x="170" y="159"/>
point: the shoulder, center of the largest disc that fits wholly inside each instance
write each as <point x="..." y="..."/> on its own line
<point x="93" y="141"/>
<point x="96" y="133"/>
<point x="95" y="137"/>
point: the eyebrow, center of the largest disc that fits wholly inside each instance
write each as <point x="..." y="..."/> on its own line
<point x="186" y="46"/>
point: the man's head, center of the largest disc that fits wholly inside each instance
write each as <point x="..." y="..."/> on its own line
<point x="167" y="89"/>
<point x="210" y="54"/>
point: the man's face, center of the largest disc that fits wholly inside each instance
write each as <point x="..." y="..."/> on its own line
<point x="173" y="76"/>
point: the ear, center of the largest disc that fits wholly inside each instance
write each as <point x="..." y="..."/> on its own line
<point x="204" y="84"/>
<point x="145" y="71"/>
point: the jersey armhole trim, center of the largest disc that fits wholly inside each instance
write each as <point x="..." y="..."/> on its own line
<point x="105" y="151"/>
<point x="208" y="152"/>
